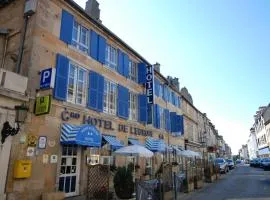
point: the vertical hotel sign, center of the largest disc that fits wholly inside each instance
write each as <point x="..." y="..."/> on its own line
<point x="150" y="92"/>
<point x="150" y="84"/>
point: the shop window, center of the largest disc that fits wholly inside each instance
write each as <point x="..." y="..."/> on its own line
<point x="77" y="84"/>
<point x="133" y="71"/>
<point x="80" y="37"/>
<point x="69" y="170"/>
<point x="133" y="102"/>
<point x="111" y="57"/>
<point x="109" y="99"/>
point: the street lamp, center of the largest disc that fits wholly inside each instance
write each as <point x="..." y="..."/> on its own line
<point x="20" y="116"/>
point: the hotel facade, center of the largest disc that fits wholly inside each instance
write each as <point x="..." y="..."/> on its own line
<point x="89" y="93"/>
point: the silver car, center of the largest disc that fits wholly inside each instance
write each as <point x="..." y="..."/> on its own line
<point x="223" y="165"/>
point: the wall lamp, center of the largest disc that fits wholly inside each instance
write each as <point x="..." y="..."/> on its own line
<point x="20" y="116"/>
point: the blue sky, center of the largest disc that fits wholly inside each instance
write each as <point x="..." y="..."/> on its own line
<point x="219" y="50"/>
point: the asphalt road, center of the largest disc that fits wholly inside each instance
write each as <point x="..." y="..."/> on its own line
<point x="242" y="183"/>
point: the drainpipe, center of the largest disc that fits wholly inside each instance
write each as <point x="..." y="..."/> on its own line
<point x="5" y="33"/>
<point x="18" y="65"/>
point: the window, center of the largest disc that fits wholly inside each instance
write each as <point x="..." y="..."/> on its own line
<point x="133" y="106"/>
<point x="80" y="37"/>
<point x="162" y="119"/>
<point x="111" y="57"/>
<point x="109" y="99"/>
<point x="77" y="84"/>
<point x="161" y="90"/>
<point x="133" y="71"/>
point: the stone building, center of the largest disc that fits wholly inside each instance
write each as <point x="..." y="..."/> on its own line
<point x="87" y="95"/>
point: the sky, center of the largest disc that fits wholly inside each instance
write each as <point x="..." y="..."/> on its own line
<point x="219" y="50"/>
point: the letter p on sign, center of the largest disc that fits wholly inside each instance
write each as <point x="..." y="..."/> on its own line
<point x="47" y="78"/>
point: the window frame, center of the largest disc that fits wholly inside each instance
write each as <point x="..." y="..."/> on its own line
<point x="108" y="57"/>
<point x="74" y="99"/>
<point x="106" y="97"/>
<point x="133" y="113"/>
<point x="77" y="42"/>
<point x="133" y="76"/>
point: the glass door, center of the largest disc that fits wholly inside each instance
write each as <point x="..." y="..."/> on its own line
<point x="70" y="170"/>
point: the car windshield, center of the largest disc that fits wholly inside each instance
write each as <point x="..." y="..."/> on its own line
<point x="219" y="160"/>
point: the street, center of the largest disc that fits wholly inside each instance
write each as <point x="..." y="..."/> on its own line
<point x="244" y="182"/>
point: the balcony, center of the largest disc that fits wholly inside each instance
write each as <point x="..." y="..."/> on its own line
<point x="13" y="85"/>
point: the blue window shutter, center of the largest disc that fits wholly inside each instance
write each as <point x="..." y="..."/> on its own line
<point x="101" y="49"/>
<point x="142" y="99"/>
<point x="126" y="65"/>
<point x="179" y="127"/>
<point x="94" y="45"/>
<point x="61" y="78"/>
<point x="66" y="27"/>
<point x="168" y="121"/>
<point x="123" y="102"/>
<point x="173" y="121"/>
<point x="156" y="83"/>
<point x="100" y="93"/>
<point x="120" y="67"/>
<point x="173" y="98"/>
<point x="157" y="116"/>
<point x="95" y="93"/>
<point x="141" y="73"/>
<point x="179" y="102"/>
<point x="164" y="93"/>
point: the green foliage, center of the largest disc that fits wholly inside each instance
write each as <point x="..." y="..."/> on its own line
<point x="123" y="182"/>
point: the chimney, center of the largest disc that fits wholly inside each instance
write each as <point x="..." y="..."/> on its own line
<point x="157" y="67"/>
<point x="92" y="9"/>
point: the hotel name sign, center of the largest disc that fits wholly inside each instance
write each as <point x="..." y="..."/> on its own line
<point x="66" y="115"/>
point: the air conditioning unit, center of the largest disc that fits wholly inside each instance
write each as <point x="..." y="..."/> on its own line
<point x="92" y="160"/>
<point x="105" y="160"/>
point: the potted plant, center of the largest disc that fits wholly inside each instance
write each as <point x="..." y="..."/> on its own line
<point x="123" y="182"/>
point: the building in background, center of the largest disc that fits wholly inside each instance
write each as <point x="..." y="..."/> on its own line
<point x="243" y="152"/>
<point x="252" y="144"/>
<point x="261" y="128"/>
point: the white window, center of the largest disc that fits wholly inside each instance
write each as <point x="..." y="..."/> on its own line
<point x="162" y="118"/>
<point x="133" y="102"/>
<point x="109" y="99"/>
<point x="80" y="37"/>
<point x="161" y="90"/>
<point x="133" y="71"/>
<point x="111" y="57"/>
<point x="77" y="84"/>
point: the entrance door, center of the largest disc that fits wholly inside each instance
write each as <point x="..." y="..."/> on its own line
<point x="70" y="170"/>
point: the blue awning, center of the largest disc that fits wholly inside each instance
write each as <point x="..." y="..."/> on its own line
<point x="113" y="141"/>
<point x="155" y="145"/>
<point x="263" y="151"/>
<point x="85" y="135"/>
<point x="134" y="141"/>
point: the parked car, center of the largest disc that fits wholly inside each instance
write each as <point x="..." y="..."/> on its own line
<point x="256" y="162"/>
<point x="230" y="163"/>
<point x="262" y="161"/>
<point x="223" y="165"/>
<point x="266" y="163"/>
<point x="252" y="162"/>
